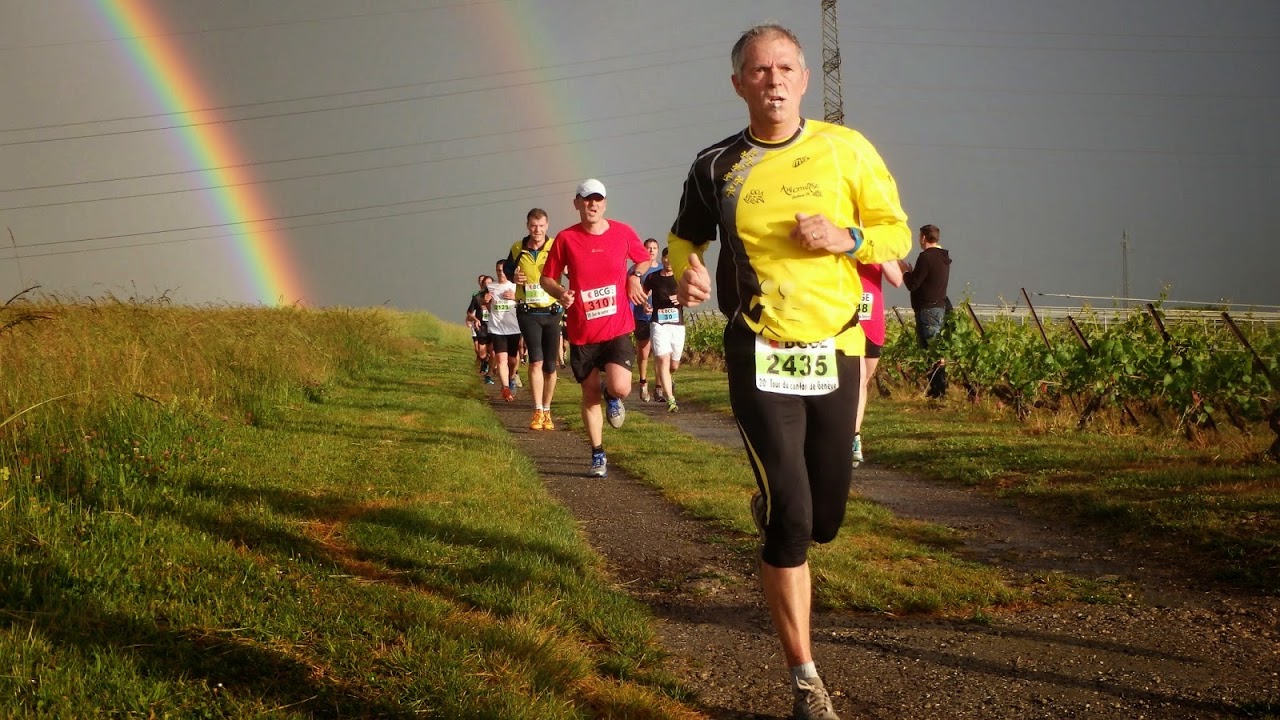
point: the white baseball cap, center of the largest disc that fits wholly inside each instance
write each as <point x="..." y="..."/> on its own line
<point x="590" y="186"/>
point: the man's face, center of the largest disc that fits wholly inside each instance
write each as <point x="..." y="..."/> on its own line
<point x="480" y="281"/>
<point x="652" y="247"/>
<point x="772" y="80"/>
<point x="537" y="228"/>
<point x="590" y="208"/>
<point x="497" y="272"/>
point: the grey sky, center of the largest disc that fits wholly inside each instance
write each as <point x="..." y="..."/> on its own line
<point x="1033" y="132"/>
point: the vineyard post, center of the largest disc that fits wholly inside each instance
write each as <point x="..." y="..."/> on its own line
<point x="971" y="391"/>
<point x="1257" y="359"/>
<point x="1151" y="308"/>
<point x="903" y="324"/>
<point x="1197" y="400"/>
<point x="1093" y="406"/>
<point x="1273" y="416"/>
<point x="1034" y="316"/>
<point x="1045" y="337"/>
<point x="977" y="323"/>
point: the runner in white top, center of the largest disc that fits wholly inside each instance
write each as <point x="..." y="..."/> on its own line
<point x="504" y="330"/>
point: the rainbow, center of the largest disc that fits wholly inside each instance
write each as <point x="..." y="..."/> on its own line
<point x="269" y="275"/>
<point x="517" y="35"/>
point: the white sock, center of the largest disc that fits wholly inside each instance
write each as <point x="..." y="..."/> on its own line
<point x="807" y="671"/>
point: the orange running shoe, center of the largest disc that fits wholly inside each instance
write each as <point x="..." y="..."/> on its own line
<point x="539" y="420"/>
<point x="546" y="421"/>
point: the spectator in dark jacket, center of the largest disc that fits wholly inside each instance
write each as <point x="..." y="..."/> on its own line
<point x="927" y="282"/>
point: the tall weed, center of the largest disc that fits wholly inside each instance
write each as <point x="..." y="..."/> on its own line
<point x="96" y="393"/>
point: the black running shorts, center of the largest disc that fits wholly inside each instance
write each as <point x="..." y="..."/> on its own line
<point x="594" y="356"/>
<point x="541" y="331"/>
<point x="873" y="350"/>
<point x="800" y="447"/>
<point x="509" y="344"/>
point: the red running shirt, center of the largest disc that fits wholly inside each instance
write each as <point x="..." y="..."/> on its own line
<point x="873" y="284"/>
<point x="597" y="267"/>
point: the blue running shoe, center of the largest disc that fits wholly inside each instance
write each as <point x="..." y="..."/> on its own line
<point x="857" y="450"/>
<point x="599" y="464"/>
<point x="615" y="411"/>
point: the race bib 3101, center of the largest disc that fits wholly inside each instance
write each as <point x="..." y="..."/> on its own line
<point x="600" y="302"/>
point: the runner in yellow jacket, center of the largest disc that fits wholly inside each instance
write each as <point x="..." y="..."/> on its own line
<point x="795" y="203"/>
<point x="538" y="313"/>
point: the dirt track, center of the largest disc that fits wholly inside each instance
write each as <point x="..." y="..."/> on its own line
<point x="1180" y="651"/>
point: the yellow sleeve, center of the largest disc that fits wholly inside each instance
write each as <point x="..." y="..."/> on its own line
<point x="886" y="235"/>
<point x="680" y="249"/>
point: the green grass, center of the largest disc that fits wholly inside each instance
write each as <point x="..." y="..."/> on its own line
<point x="239" y="512"/>
<point x="1219" y="504"/>
<point x="879" y="562"/>
<point x="375" y="549"/>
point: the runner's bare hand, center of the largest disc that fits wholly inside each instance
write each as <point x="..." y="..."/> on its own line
<point x="817" y="233"/>
<point x="566" y="300"/>
<point x="635" y="291"/>
<point x="695" y="283"/>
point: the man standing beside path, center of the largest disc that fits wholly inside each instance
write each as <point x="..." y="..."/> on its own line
<point x="797" y="202"/>
<point x="538" y="314"/>
<point x="595" y="253"/>
<point x="927" y="282"/>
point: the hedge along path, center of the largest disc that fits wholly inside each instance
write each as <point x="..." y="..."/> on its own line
<point x="1180" y="653"/>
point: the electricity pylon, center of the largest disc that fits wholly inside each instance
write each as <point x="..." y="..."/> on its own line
<point x="832" y="103"/>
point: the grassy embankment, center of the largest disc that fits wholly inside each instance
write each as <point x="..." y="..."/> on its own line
<point x="227" y="513"/>
<point x="286" y="513"/>
<point x="1218" y="505"/>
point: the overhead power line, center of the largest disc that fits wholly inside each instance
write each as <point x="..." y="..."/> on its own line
<point x="312" y="111"/>
<point x="344" y="93"/>
<point x="257" y="26"/>
<point x="381" y="216"/>
<point x="1193" y="50"/>
<point x="376" y="168"/>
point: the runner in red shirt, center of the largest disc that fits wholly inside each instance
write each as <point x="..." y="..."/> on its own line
<point x="594" y="253"/>
<point x="871" y="319"/>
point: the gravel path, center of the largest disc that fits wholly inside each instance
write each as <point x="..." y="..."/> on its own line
<point x="1180" y="651"/>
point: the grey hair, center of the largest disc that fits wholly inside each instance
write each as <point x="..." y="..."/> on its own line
<point x="763" y="30"/>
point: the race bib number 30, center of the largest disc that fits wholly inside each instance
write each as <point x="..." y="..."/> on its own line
<point x="668" y="315"/>
<point x="535" y="295"/>
<point x="600" y="302"/>
<point x="793" y="368"/>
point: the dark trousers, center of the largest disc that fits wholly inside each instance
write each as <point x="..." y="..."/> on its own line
<point x="929" y="323"/>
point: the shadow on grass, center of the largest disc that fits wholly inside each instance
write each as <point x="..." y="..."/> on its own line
<point x="42" y="597"/>
<point x="444" y="578"/>
<point x="463" y="441"/>
<point x="1191" y="706"/>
